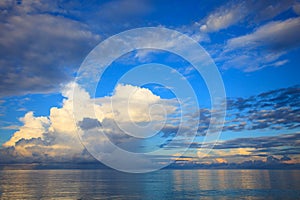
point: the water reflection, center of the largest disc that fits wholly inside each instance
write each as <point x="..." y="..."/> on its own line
<point x="245" y="184"/>
<point x="164" y="184"/>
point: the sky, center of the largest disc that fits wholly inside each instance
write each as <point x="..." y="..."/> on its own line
<point x="151" y="101"/>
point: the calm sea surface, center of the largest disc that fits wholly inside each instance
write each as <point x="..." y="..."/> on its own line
<point x="164" y="184"/>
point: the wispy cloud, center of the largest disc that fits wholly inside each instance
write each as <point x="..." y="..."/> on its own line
<point x="264" y="47"/>
<point x="235" y="12"/>
<point x="11" y="127"/>
<point x="277" y="35"/>
<point x="283" y="141"/>
<point x="224" y="17"/>
<point x="261" y="42"/>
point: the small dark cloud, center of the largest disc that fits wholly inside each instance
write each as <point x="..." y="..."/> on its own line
<point x="172" y="131"/>
<point x="89" y="123"/>
<point x="169" y="131"/>
<point x="272" y="160"/>
<point x="285" y="158"/>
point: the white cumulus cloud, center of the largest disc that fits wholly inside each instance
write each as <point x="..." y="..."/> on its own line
<point x="54" y="137"/>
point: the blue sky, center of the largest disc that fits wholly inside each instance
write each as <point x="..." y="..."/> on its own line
<point x="254" y="44"/>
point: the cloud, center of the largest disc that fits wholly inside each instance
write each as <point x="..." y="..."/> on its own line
<point x="276" y="109"/>
<point x="273" y="110"/>
<point x="262" y="48"/>
<point x="267" y="43"/>
<point x="284" y="140"/>
<point x="47" y="138"/>
<point x="235" y="12"/>
<point x="267" y="149"/>
<point x="278" y="35"/>
<point x="264" y="10"/>
<point x="39" y="49"/>
<point x="11" y="127"/>
<point x="137" y="100"/>
<point x="54" y="138"/>
<point x="285" y="158"/>
<point x="220" y="160"/>
<point x="223" y="17"/>
<point x="33" y="127"/>
<point x="272" y="160"/>
<point x="264" y="149"/>
<point x="89" y="123"/>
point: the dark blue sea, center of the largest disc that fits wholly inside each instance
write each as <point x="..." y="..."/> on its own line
<point x="163" y="184"/>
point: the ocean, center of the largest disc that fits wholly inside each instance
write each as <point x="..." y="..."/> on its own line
<point x="163" y="184"/>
